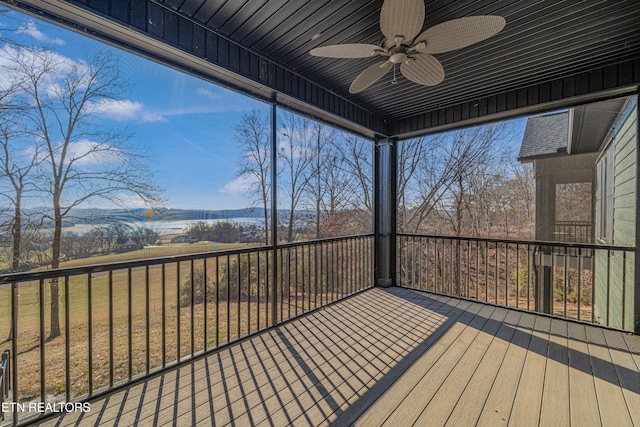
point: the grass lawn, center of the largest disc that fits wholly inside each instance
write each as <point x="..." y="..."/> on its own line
<point x="154" y="252"/>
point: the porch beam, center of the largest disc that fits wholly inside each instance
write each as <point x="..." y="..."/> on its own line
<point x="385" y="185"/>
<point x="587" y="86"/>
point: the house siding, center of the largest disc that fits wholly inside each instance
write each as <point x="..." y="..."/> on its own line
<point x="618" y="266"/>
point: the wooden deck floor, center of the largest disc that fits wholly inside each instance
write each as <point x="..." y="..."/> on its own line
<point x="397" y="357"/>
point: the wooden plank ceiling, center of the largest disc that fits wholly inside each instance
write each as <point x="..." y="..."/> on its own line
<point x="542" y="41"/>
<point x="548" y="51"/>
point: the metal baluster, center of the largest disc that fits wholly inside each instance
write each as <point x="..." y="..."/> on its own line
<point x="566" y="280"/>
<point x="258" y="254"/>
<point x="506" y="274"/>
<point x="579" y="278"/>
<point x="205" y="293"/>
<point x="67" y="338"/>
<point x="303" y="273"/>
<point x="239" y="292"/>
<point x="129" y="324"/>
<point x="315" y="275"/>
<point x="178" y="340"/>
<point x="217" y="301"/>
<point x="517" y="275"/>
<point x="497" y="271"/>
<point x="249" y="288"/>
<point x="296" y="277"/>
<point x="468" y="269"/>
<point x="90" y="331"/>
<point x="42" y="355"/>
<point x="486" y="271"/>
<point x="147" y="322"/>
<point x="624" y="287"/>
<point x="530" y="254"/>
<point x="164" y="314"/>
<point x="228" y="299"/>
<point x="192" y="308"/>
<point x="309" y="277"/>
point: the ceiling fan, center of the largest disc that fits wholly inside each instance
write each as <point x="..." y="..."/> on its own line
<point x="400" y="23"/>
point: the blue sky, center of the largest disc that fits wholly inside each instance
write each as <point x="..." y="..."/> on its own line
<point x="186" y="124"/>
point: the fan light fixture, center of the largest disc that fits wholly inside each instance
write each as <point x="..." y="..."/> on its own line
<point x="400" y="23"/>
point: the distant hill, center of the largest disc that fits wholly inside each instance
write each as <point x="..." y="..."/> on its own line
<point x="110" y="216"/>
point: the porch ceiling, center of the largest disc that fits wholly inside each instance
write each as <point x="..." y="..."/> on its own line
<point x="542" y="41"/>
<point x="550" y="54"/>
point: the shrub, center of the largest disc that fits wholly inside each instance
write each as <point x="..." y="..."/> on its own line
<point x="199" y="286"/>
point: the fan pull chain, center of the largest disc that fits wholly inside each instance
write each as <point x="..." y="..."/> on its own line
<point x="394" y="81"/>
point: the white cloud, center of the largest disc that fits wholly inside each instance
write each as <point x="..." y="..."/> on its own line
<point x="130" y="201"/>
<point x="240" y="185"/>
<point x="32" y="30"/>
<point x="83" y="153"/>
<point x="209" y="94"/>
<point x="59" y="65"/>
<point x="93" y="153"/>
<point x="124" y="109"/>
<point x="89" y="153"/>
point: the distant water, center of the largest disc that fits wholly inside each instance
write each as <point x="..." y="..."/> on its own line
<point x="162" y="227"/>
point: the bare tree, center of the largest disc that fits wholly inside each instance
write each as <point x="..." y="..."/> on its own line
<point x="253" y="136"/>
<point x="322" y="136"/>
<point x="356" y="156"/>
<point x="16" y="171"/>
<point x="83" y="159"/>
<point x="471" y="152"/>
<point x="330" y="192"/>
<point x="297" y="153"/>
<point x="16" y="175"/>
<point x="425" y="170"/>
<point x="434" y="175"/>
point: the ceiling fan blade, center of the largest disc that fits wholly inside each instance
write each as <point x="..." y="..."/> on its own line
<point x="369" y="76"/>
<point x="346" y="51"/>
<point x="459" y="33"/>
<point x="403" y="18"/>
<point x="423" y="69"/>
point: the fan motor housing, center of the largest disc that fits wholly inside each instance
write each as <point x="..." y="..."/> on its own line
<point x="398" y="55"/>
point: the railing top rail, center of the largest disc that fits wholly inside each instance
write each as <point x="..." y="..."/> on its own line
<point x="122" y="265"/>
<point x="523" y="242"/>
<point x="325" y="240"/>
<point x="582" y="223"/>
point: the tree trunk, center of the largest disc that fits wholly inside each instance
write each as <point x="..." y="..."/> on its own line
<point x="266" y="216"/>
<point x="15" y="263"/>
<point x="55" y="263"/>
<point x="291" y="221"/>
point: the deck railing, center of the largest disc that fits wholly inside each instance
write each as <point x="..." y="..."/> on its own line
<point x="573" y="232"/>
<point x="124" y="321"/>
<point x="585" y="282"/>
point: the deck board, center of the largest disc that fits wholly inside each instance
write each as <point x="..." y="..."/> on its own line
<point x="396" y="357"/>
<point x="611" y="402"/>
<point x="582" y="387"/>
<point x="528" y="397"/>
<point x="467" y="410"/>
<point x="405" y="413"/>
<point x="499" y="402"/>
<point x="442" y="404"/>
<point x="555" y="411"/>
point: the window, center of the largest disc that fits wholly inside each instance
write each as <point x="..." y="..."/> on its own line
<point x="604" y="202"/>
